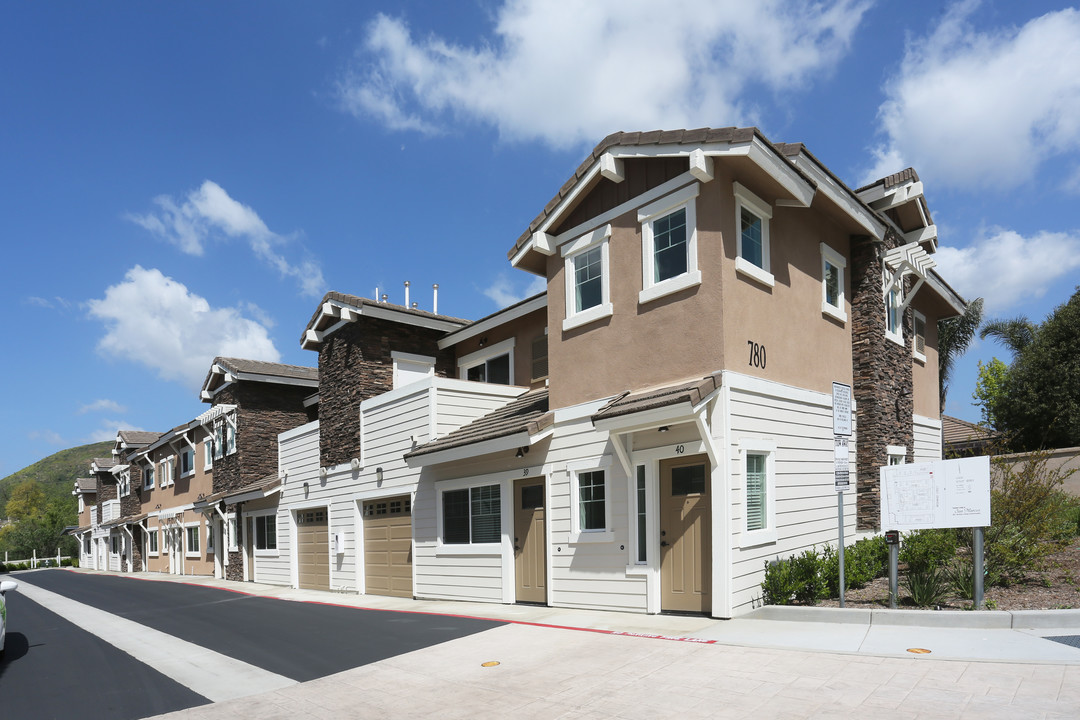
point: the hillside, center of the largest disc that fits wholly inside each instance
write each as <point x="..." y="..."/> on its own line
<point x="58" y="471"/>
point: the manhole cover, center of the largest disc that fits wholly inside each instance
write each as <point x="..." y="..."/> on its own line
<point x="919" y="651"/>
<point x="1070" y="640"/>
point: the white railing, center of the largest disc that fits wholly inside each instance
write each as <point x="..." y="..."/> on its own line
<point x="34" y="562"/>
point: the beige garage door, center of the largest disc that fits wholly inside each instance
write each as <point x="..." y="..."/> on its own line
<point x="313" y="549"/>
<point x="388" y="547"/>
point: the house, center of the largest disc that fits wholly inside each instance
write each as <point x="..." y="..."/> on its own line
<point x="85" y="491"/>
<point x="658" y="425"/>
<point x="119" y="506"/>
<point x="964" y="439"/>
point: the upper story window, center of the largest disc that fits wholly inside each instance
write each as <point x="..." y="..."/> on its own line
<point x="187" y="461"/>
<point x="225" y="436"/>
<point x="492" y="364"/>
<point x="167" y="471"/>
<point x="125" y="483"/>
<point x="408" y="368"/>
<point x="753" y="257"/>
<point x="833" y="265"/>
<point x="894" y="318"/>
<point x="208" y="454"/>
<point x="588" y="278"/>
<point x="919" y="331"/>
<point x="540" y="357"/>
<point x="669" y="260"/>
<point x="148" y="477"/>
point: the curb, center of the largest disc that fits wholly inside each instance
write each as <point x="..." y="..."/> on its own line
<point x="980" y="619"/>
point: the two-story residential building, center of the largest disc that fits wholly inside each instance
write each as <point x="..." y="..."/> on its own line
<point x="85" y="492"/>
<point x="119" y="504"/>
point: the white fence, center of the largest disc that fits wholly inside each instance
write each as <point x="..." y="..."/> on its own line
<point x="35" y="562"/>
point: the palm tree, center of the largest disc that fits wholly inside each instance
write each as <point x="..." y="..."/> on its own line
<point x="954" y="336"/>
<point x="1016" y="334"/>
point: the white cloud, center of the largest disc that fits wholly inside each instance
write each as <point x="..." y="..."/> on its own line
<point x="503" y="292"/>
<point x="107" y="430"/>
<point x="209" y="210"/>
<point x="56" y="303"/>
<point x="102" y="405"/>
<point x="49" y="436"/>
<point x="572" y="72"/>
<point x="156" y="321"/>
<point x="985" y="108"/>
<point x="1006" y="269"/>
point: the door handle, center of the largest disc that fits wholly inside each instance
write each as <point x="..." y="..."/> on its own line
<point x="663" y="543"/>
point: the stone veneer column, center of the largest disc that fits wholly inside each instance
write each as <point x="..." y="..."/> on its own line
<point x="882" y="377"/>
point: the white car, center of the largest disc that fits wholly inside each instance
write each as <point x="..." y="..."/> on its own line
<point x="5" y="585"/>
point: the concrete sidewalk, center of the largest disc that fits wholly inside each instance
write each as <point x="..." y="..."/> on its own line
<point x="776" y="662"/>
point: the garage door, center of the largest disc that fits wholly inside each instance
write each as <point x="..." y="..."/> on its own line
<point x="313" y="549"/>
<point x="388" y="547"/>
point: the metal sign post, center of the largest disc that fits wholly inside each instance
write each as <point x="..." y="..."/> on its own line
<point x="841" y="397"/>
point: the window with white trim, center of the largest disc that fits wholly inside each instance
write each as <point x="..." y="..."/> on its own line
<point x="148" y="476"/>
<point x="590" y="500"/>
<point x="669" y="261"/>
<point x="759" y="492"/>
<point x="752" y="216"/>
<point x="187" y="461"/>
<point x="588" y="278"/>
<point x="82" y="504"/>
<point x="114" y="544"/>
<point x="897" y="454"/>
<point x="208" y="454"/>
<point x="152" y="542"/>
<point x="833" y="265"/>
<point x="210" y="538"/>
<point x="493" y="364"/>
<point x="641" y="556"/>
<point x="540" y="357"/>
<point x="265" y="532"/>
<point x="918" y="348"/>
<point x="124" y="480"/>
<point x="234" y="533"/>
<point x="472" y="516"/>
<point x="894" y="319"/>
<point x="409" y="368"/>
<point x="167" y="471"/>
<point x="191" y="544"/>
<point x="225" y="435"/>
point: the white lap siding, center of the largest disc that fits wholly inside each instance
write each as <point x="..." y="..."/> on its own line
<point x="799" y="424"/>
<point x="271" y="566"/>
<point x="927" y="433"/>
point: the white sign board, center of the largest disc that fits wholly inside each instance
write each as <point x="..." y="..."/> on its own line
<point x="841" y="409"/>
<point x="840" y="457"/>
<point x="939" y="494"/>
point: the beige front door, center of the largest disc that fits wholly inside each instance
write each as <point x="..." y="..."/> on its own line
<point x="388" y="547"/>
<point x="685" y="537"/>
<point x="313" y="549"/>
<point x="530" y="561"/>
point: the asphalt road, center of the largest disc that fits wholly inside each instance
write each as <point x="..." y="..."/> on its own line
<point x="297" y="640"/>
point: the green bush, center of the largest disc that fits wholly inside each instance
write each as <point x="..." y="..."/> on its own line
<point x="927" y="586"/>
<point x="797" y="579"/>
<point x="3" y="567"/>
<point x="928" y="549"/>
<point x="864" y="560"/>
<point x="960" y="575"/>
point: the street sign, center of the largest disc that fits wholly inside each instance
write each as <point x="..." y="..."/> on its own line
<point x="840" y="459"/>
<point x="841" y="409"/>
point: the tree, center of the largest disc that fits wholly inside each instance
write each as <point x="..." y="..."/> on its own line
<point x="954" y="336"/>
<point x="1016" y="334"/>
<point x="1040" y="404"/>
<point x="990" y="389"/>
<point x="38" y="523"/>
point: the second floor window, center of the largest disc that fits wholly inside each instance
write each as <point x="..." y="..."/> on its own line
<point x="187" y="461"/>
<point x="148" y="477"/>
<point x="669" y="246"/>
<point x="587" y="279"/>
<point x="752" y="216"/>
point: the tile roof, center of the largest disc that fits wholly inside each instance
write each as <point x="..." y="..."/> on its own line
<point x="697" y="136"/>
<point x="527" y="413"/>
<point x="259" y="367"/>
<point x="86" y="485"/>
<point x="126" y="520"/>
<point x="138" y="437"/>
<point x="957" y="431"/>
<point x="360" y="302"/>
<point x="104" y="463"/>
<point x="267" y="483"/>
<point x="691" y="392"/>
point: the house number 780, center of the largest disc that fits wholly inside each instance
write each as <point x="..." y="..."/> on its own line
<point x="757" y="354"/>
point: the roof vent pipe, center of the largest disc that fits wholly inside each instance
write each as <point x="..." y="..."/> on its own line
<point x="435" y="302"/>
<point x="376" y="295"/>
<point x="406" y="293"/>
<point x="385" y="297"/>
<point x="415" y="306"/>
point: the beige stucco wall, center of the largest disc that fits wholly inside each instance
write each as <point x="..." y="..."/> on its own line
<point x="706" y="328"/>
<point x="924" y="375"/>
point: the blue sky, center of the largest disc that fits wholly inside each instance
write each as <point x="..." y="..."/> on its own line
<point x="182" y="180"/>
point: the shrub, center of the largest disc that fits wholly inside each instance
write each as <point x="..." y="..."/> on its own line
<point x="927" y="586"/>
<point x="3" y="567"/>
<point x="864" y="560"/>
<point x="796" y="579"/>
<point x="926" y="549"/>
<point x="960" y="575"/>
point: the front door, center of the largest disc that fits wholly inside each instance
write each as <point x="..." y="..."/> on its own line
<point x="685" y="537"/>
<point x="530" y="561"/>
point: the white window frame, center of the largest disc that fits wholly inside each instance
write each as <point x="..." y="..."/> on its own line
<point x="467" y="362"/>
<point x="182" y="453"/>
<point x="82" y="504"/>
<point x="639" y="507"/>
<point x="209" y="537"/>
<point x="401" y="359"/>
<point x="754" y="538"/>
<point x="683" y="198"/>
<point x="208" y="454"/>
<point x="149" y="476"/>
<point x="124" y="480"/>
<point x="493" y="548"/>
<point x="896" y="452"/>
<point x="746" y="198"/>
<point x="832" y="257"/>
<point x="115" y="546"/>
<point x="573" y="470"/>
<point x="153" y="542"/>
<point x="572" y="251"/>
<point x="167" y="468"/>
<point x="898" y="336"/>
<point x="916" y="319"/>
<point x="265" y="552"/>
<point x="188" y="527"/>
<point x="233" y="531"/>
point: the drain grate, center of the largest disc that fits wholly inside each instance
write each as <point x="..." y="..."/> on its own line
<point x="1070" y="640"/>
